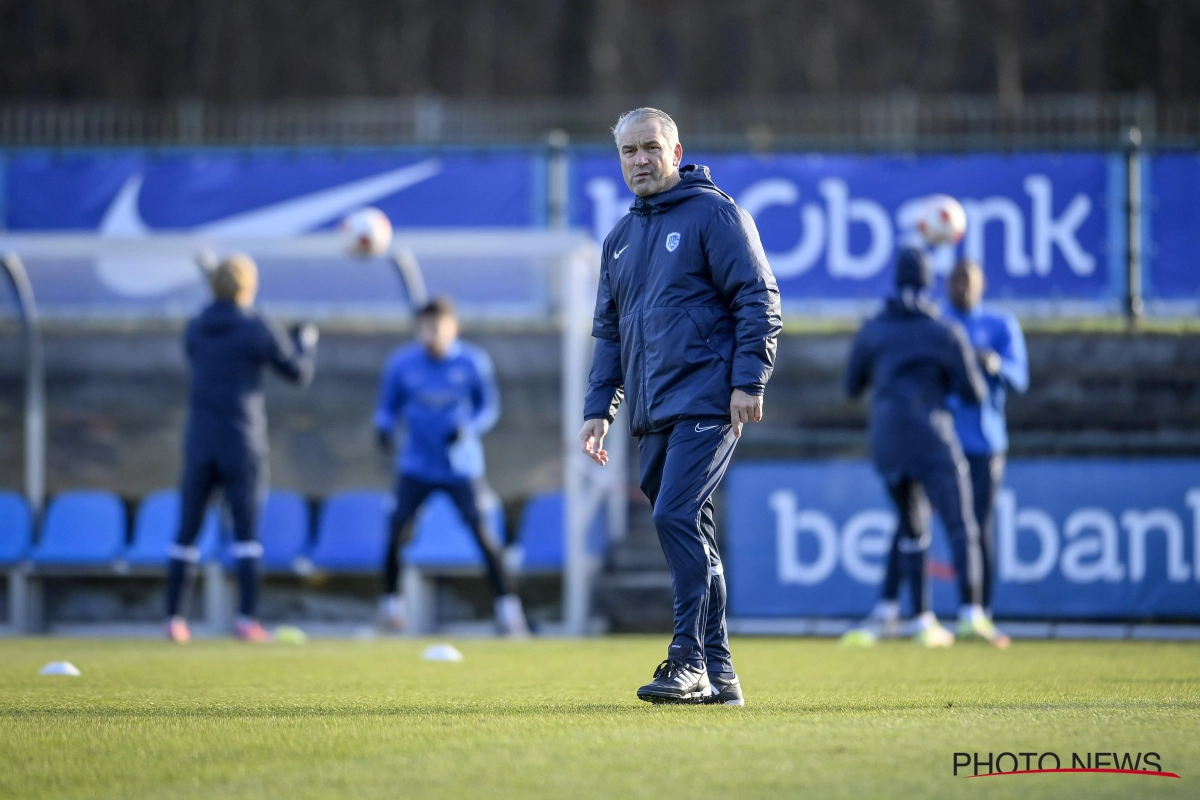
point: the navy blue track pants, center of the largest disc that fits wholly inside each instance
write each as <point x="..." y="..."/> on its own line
<point x="909" y="544"/>
<point x="241" y="474"/>
<point x="467" y="496"/>
<point x="680" y="469"/>
<point x="948" y="489"/>
<point x="987" y="475"/>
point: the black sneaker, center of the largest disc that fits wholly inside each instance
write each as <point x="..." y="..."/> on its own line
<point x="725" y="692"/>
<point x="676" y="682"/>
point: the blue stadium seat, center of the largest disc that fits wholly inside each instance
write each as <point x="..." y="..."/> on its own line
<point x="542" y="527"/>
<point x="157" y="524"/>
<point x="442" y="539"/>
<point x="283" y="529"/>
<point x="352" y="531"/>
<point x="16" y="528"/>
<point x="82" y="528"/>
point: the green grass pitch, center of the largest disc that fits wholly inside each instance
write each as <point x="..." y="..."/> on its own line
<point x="558" y="718"/>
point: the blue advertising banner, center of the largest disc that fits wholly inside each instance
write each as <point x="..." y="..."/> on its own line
<point x="1048" y="228"/>
<point x="267" y="192"/>
<point x="1039" y="223"/>
<point x="1173" y="256"/>
<point x="1075" y="539"/>
<point x="271" y="193"/>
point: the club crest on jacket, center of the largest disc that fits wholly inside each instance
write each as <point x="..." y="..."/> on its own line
<point x="672" y="242"/>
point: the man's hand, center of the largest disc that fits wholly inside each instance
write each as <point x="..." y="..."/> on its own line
<point x="591" y="438"/>
<point x="744" y="408"/>
<point x="306" y="335"/>
<point x="989" y="360"/>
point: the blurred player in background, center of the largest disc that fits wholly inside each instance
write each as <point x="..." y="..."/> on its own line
<point x="1000" y="347"/>
<point x="912" y="360"/>
<point x="444" y="391"/>
<point x="229" y="346"/>
<point x="687" y="317"/>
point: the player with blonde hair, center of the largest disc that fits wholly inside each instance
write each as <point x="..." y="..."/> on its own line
<point x="229" y="347"/>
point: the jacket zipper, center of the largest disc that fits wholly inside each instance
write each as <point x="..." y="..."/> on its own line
<point x="648" y="248"/>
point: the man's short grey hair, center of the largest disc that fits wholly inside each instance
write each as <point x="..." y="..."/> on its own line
<point x="669" y="128"/>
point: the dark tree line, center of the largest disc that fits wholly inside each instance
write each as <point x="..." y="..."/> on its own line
<point x="271" y="49"/>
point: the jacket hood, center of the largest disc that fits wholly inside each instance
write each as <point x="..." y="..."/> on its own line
<point x="911" y="302"/>
<point x="912" y="269"/>
<point x="221" y="316"/>
<point x="694" y="180"/>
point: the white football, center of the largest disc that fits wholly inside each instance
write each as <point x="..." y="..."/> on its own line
<point x="942" y="220"/>
<point x="366" y="232"/>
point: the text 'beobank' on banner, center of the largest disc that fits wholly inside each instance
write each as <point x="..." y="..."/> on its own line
<point x="1075" y="539"/>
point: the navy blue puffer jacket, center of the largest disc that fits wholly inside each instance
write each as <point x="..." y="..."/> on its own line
<point x="912" y="360"/>
<point x="229" y="348"/>
<point x="687" y="309"/>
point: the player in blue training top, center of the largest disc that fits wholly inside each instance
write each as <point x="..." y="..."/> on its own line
<point x="1000" y="346"/>
<point x="444" y="392"/>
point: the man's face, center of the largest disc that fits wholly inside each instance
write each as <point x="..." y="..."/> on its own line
<point x="965" y="286"/>
<point x="649" y="162"/>
<point x="437" y="332"/>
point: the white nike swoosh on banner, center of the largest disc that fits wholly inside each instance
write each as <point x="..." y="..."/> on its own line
<point x="618" y="253"/>
<point x="702" y="430"/>
<point x="134" y="277"/>
<point x="286" y="218"/>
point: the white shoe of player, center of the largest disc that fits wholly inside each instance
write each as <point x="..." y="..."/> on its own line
<point x="510" y="617"/>
<point x="883" y="623"/>
<point x="393" y="616"/>
<point x="931" y="633"/>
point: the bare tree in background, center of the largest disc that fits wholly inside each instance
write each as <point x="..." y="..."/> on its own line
<point x="1170" y="46"/>
<point x="1007" y="44"/>
<point x="252" y="50"/>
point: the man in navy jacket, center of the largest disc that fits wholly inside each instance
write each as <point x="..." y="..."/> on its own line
<point x="913" y="360"/>
<point x="687" y="317"/>
<point x="229" y="347"/>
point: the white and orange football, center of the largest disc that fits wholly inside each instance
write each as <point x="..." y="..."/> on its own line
<point x="366" y="232"/>
<point x="942" y="220"/>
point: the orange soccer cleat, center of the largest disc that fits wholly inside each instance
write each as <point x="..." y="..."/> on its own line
<point x="177" y="630"/>
<point x="249" y="630"/>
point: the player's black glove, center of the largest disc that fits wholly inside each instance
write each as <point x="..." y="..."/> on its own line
<point x="305" y="334"/>
<point x="384" y="440"/>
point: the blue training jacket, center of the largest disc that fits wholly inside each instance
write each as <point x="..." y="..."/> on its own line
<point x="687" y="308"/>
<point x="981" y="427"/>
<point x="228" y="348"/>
<point x="912" y="360"/>
<point x="446" y="404"/>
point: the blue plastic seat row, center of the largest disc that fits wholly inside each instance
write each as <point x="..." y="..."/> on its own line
<point x="85" y="528"/>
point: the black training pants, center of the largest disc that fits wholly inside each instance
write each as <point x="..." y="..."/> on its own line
<point x="466" y="495"/>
